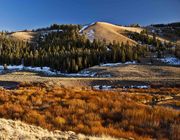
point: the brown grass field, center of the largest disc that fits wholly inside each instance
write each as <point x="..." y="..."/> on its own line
<point x="119" y="113"/>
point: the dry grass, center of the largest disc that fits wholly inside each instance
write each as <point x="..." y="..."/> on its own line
<point x="140" y="72"/>
<point x="102" y="30"/>
<point x="24" y="36"/>
<point x="120" y="75"/>
<point x="116" y="113"/>
<point x="110" y="32"/>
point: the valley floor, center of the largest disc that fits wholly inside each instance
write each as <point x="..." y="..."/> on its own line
<point x="110" y="103"/>
<point x="116" y="76"/>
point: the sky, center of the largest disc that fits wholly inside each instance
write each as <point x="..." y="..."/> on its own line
<point x="32" y="14"/>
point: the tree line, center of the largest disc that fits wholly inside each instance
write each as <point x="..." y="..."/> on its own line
<point x="66" y="50"/>
<point x="155" y="45"/>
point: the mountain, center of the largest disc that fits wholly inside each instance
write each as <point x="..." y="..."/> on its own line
<point x="110" y="32"/>
<point x="71" y="48"/>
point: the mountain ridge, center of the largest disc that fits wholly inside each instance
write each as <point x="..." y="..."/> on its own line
<point x="104" y="31"/>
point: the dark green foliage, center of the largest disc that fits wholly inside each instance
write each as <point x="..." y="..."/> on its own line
<point x="175" y="24"/>
<point x="177" y="51"/>
<point x="65" y="50"/>
<point x="155" y="45"/>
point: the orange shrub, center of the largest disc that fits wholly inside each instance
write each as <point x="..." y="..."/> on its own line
<point x="116" y="113"/>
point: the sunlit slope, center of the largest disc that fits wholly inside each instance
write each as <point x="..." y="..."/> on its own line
<point x="109" y="32"/>
<point x="24" y="35"/>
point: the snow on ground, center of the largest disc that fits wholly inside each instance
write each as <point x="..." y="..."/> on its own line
<point x="102" y="87"/>
<point x="108" y="49"/>
<point x="47" y="71"/>
<point x="104" y="75"/>
<point x="116" y="64"/>
<point x="171" y="60"/>
<point x="44" y="33"/>
<point x="83" y="73"/>
<point x="107" y="87"/>
<point x="19" y="67"/>
<point x="138" y="86"/>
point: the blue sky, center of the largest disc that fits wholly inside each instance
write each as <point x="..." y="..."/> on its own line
<point x="28" y="14"/>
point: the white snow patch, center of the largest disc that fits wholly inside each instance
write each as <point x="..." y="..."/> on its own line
<point x="90" y="35"/>
<point x="102" y="87"/>
<point x="108" y="49"/>
<point x="105" y="75"/>
<point x="138" y="86"/>
<point x="129" y="62"/>
<point x="47" y="71"/>
<point x="153" y="31"/>
<point x="83" y="73"/>
<point x="44" y="33"/>
<point x="171" y="60"/>
<point x="116" y="64"/>
<point x="11" y="67"/>
<point x="85" y="27"/>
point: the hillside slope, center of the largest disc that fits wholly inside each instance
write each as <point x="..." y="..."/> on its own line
<point x="98" y="30"/>
<point x="28" y="36"/>
<point x="109" y="32"/>
<point x="169" y="31"/>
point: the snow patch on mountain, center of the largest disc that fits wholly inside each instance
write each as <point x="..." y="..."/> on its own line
<point x="45" y="33"/>
<point x="90" y="35"/>
<point x="85" y="27"/>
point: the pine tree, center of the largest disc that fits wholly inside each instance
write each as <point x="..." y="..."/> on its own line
<point x="123" y="56"/>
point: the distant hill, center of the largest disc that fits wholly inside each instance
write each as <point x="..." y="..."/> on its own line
<point x="28" y="36"/>
<point x="110" y="32"/>
<point x="169" y="31"/>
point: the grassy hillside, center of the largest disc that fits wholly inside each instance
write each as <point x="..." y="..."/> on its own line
<point x="109" y="32"/>
<point x="27" y="36"/>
